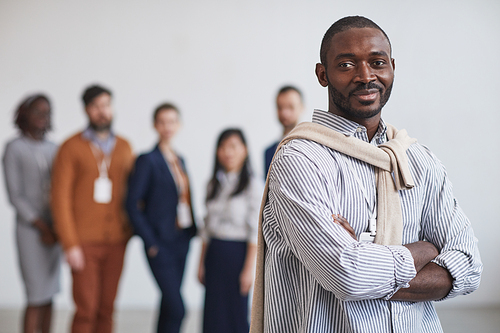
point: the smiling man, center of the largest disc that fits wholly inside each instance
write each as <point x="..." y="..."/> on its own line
<point x="360" y="231"/>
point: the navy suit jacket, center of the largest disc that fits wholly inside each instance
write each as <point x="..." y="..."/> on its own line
<point x="152" y="201"/>
<point x="269" y="154"/>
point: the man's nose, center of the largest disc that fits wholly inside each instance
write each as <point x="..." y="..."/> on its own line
<point x="364" y="74"/>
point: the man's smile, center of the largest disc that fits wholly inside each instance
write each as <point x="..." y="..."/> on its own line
<point x="368" y="95"/>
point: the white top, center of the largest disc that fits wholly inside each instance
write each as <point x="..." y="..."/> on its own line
<point x="233" y="217"/>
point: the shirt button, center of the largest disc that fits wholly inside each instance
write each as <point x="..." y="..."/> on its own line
<point x="359" y="130"/>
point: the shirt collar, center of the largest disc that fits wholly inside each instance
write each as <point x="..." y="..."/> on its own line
<point x="227" y="177"/>
<point x="107" y="145"/>
<point x="348" y="127"/>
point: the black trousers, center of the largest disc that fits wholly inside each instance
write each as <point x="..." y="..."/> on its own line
<point x="168" y="269"/>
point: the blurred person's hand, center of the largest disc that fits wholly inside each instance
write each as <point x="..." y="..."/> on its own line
<point x="75" y="258"/>
<point x="47" y="235"/>
<point x="153" y="251"/>
<point x="246" y="281"/>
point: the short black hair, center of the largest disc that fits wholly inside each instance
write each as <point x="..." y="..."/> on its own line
<point x="342" y="25"/>
<point x="162" y="107"/>
<point x="288" y="88"/>
<point x="24" y="109"/>
<point x="92" y="92"/>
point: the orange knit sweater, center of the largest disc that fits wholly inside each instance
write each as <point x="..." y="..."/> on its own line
<point x="78" y="219"/>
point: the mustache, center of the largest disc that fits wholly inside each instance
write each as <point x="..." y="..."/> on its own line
<point x="366" y="86"/>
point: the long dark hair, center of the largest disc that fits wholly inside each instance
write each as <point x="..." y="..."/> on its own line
<point x="245" y="173"/>
<point x="24" y="109"/>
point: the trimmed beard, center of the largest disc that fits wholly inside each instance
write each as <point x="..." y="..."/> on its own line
<point x="342" y="102"/>
<point x="101" y="128"/>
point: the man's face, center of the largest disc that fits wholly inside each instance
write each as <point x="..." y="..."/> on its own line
<point x="289" y="105"/>
<point x="359" y="73"/>
<point x="100" y="112"/>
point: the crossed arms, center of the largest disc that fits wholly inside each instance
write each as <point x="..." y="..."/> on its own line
<point x="432" y="281"/>
<point x="445" y="265"/>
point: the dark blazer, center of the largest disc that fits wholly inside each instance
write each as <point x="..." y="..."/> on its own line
<point x="268" y="157"/>
<point x="152" y="201"/>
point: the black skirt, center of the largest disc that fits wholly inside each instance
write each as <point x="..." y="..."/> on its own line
<point x="226" y="310"/>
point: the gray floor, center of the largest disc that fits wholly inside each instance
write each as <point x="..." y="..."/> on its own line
<point x="477" y="320"/>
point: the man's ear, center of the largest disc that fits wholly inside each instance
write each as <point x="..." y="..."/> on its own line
<point x="321" y="74"/>
<point x="393" y="62"/>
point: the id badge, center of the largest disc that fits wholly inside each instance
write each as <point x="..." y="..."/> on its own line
<point x="184" y="219"/>
<point x="102" y="190"/>
<point x="366" y="237"/>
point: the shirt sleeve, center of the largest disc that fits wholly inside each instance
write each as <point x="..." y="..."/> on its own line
<point x="446" y="226"/>
<point x="13" y="181"/>
<point x="63" y="179"/>
<point x="138" y="185"/>
<point x="302" y="201"/>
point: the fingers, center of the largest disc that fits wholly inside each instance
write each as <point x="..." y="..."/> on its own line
<point x="342" y="221"/>
<point x="339" y="218"/>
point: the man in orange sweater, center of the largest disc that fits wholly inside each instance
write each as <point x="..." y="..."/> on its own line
<point x="89" y="180"/>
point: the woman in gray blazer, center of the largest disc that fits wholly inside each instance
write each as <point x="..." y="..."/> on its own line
<point x="27" y="162"/>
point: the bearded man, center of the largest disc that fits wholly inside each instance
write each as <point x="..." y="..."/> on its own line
<point x="360" y="231"/>
<point x="89" y="180"/>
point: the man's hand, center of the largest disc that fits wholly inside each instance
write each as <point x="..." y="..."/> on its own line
<point x="75" y="258"/>
<point x="339" y="219"/>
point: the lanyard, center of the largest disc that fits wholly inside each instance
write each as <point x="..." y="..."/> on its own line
<point x="174" y="167"/>
<point x="103" y="167"/>
<point x="372" y="225"/>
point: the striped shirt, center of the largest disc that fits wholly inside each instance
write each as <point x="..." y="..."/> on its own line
<point x="318" y="278"/>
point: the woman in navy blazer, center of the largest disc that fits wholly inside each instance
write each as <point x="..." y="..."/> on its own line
<point x="160" y="210"/>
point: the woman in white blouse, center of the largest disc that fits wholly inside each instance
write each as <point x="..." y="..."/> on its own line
<point x="229" y="236"/>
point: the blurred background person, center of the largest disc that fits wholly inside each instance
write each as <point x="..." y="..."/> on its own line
<point x="27" y="165"/>
<point x="289" y="106"/>
<point x="160" y="209"/>
<point x="89" y="182"/>
<point x="229" y="236"/>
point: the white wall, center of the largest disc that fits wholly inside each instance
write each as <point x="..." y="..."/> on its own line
<point x="222" y="62"/>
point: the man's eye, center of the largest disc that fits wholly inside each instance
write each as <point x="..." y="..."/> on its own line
<point x="379" y="63"/>
<point x="345" y="65"/>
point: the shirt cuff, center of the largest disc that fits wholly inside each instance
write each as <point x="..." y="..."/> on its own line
<point x="457" y="263"/>
<point x="404" y="268"/>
